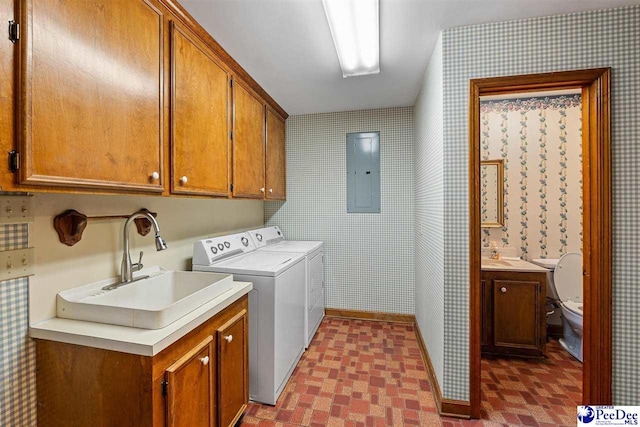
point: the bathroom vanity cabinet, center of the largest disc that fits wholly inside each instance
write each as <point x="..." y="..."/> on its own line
<point x="513" y="313"/>
<point x="199" y="380"/>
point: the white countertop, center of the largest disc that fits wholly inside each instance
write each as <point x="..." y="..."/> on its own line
<point x="145" y="342"/>
<point x="511" y="264"/>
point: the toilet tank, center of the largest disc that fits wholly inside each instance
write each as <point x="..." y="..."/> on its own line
<point x="549" y="263"/>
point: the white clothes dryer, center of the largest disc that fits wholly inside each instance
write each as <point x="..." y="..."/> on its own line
<point x="272" y="239"/>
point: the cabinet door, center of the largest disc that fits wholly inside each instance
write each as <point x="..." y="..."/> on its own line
<point x="91" y="94"/>
<point x="190" y="388"/>
<point x="276" y="157"/>
<point x="233" y="376"/>
<point x="200" y="138"/>
<point x="516" y="314"/>
<point x="248" y="143"/>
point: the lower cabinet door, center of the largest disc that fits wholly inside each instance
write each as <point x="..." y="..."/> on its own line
<point x="233" y="376"/>
<point x="516" y="314"/>
<point x="190" y="388"/>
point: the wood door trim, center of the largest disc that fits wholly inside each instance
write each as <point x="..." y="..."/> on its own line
<point x="597" y="284"/>
<point x="24" y="113"/>
<point x="187" y="33"/>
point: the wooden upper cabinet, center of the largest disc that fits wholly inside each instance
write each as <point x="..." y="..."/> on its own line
<point x="91" y="98"/>
<point x="248" y="143"/>
<point x="233" y="376"/>
<point x="200" y="140"/>
<point x="276" y="160"/>
<point x="190" y="388"/>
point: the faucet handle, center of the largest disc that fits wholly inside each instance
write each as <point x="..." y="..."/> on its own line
<point x="138" y="265"/>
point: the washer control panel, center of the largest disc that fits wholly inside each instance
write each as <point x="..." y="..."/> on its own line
<point x="266" y="236"/>
<point x="209" y="251"/>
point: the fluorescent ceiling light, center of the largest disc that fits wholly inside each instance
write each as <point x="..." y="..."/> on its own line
<point x="356" y="33"/>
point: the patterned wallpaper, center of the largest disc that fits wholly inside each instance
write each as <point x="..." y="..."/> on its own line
<point x="429" y="199"/>
<point x="539" y="140"/>
<point x="17" y="354"/>
<point x="369" y="258"/>
<point x="607" y="38"/>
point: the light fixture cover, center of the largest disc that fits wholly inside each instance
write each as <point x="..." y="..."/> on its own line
<point x="355" y="30"/>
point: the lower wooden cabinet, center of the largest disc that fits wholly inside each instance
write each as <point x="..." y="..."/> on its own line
<point x="190" y="388"/>
<point x="233" y="375"/>
<point x="513" y="313"/>
<point x="200" y="380"/>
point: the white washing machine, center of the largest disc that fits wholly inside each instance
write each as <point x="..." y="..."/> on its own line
<point x="276" y="306"/>
<point x="272" y="239"/>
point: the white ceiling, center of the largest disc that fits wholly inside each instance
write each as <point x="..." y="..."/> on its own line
<point x="286" y="45"/>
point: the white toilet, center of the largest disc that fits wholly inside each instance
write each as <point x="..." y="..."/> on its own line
<point x="564" y="284"/>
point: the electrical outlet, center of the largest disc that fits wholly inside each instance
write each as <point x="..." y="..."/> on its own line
<point x="16" y="209"/>
<point x="18" y="263"/>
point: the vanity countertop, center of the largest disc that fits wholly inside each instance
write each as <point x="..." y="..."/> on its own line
<point x="511" y="265"/>
<point x="145" y="342"/>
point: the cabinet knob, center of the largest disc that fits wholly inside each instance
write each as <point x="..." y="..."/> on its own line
<point x="155" y="176"/>
<point x="229" y="338"/>
<point x="205" y="360"/>
<point x="262" y="190"/>
<point x="503" y="289"/>
<point x="271" y="190"/>
<point x="183" y="180"/>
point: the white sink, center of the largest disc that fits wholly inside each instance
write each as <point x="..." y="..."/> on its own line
<point x="151" y="303"/>
<point x="510" y="264"/>
<point x="496" y="262"/>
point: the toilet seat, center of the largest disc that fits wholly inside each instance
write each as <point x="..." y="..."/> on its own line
<point x="567" y="278"/>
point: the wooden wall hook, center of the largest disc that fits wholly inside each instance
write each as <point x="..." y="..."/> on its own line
<point x="70" y="224"/>
<point x="143" y="224"/>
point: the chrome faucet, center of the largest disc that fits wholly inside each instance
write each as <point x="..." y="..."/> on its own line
<point x="127" y="268"/>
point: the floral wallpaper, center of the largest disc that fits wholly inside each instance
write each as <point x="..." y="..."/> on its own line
<point x="539" y="139"/>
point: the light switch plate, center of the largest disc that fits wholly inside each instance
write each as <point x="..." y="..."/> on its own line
<point x="16" y="209"/>
<point x="18" y="263"/>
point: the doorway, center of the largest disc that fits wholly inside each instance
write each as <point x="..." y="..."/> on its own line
<point x="596" y="230"/>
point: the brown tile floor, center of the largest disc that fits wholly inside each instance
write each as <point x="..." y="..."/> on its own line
<point x="360" y="373"/>
<point x="530" y="392"/>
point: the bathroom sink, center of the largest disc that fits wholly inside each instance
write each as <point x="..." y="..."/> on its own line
<point x="496" y="262"/>
<point x="152" y="303"/>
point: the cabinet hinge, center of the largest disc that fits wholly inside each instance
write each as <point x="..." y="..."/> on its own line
<point x="231" y="135"/>
<point x="231" y="82"/>
<point x="14" y="31"/>
<point x="14" y="161"/>
<point x="165" y="384"/>
<point x="231" y="187"/>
